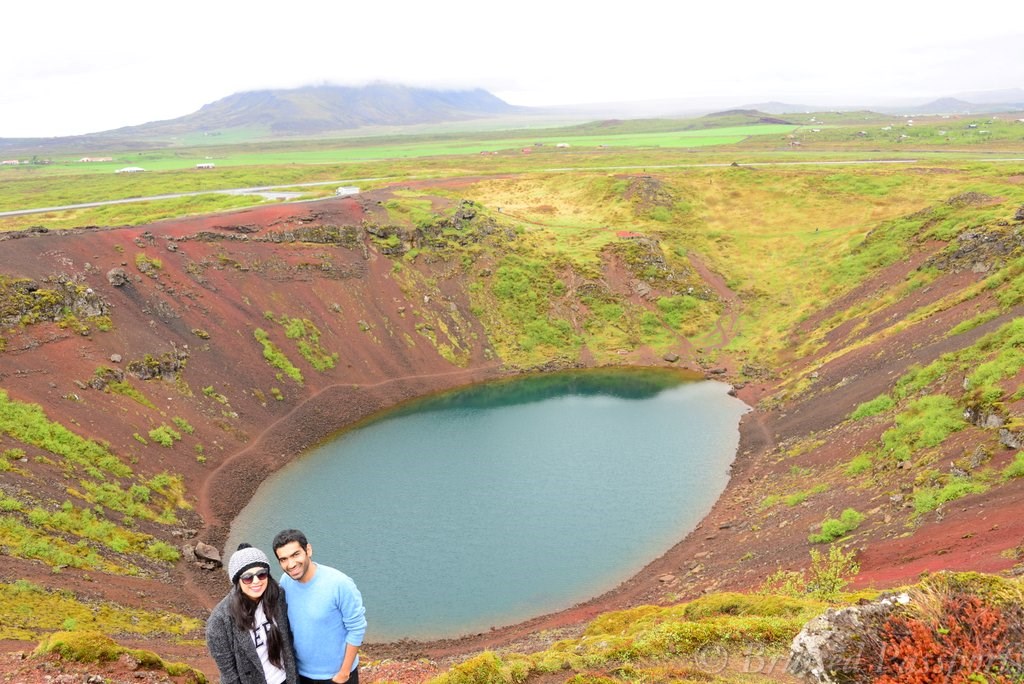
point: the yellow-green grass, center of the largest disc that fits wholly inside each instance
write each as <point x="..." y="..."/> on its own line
<point x="776" y="234"/>
<point x="30" y="611"/>
<point x="656" y="644"/>
<point x="95" y="647"/>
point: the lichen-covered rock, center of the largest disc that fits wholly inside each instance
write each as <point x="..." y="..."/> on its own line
<point x="828" y="649"/>
<point x="117" y="277"/>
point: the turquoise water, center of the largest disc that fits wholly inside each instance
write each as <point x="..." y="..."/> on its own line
<point x="502" y="502"/>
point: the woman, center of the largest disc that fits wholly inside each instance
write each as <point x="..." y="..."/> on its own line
<point x="248" y="633"/>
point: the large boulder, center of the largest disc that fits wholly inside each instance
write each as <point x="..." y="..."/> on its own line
<point x="207" y="553"/>
<point x="829" y="649"/>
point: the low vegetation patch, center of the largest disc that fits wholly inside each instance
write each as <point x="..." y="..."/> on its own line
<point x="165" y="436"/>
<point x="927" y="499"/>
<point x="834" y="528"/>
<point x="924" y="423"/>
<point x="307" y="339"/>
<point x="633" y="645"/>
<point x="873" y="408"/>
<point x="275" y="357"/>
<point x="95" y="647"/>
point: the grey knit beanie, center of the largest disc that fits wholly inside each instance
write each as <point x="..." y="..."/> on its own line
<point x="246" y="557"/>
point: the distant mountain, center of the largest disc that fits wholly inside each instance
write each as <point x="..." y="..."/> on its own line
<point x="951" y="105"/>
<point x="785" y="108"/>
<point x="1000" y="97"/>
<point x="310" y="110"/>
<point x="947" y="105"/>
<point x="321" y="109"/>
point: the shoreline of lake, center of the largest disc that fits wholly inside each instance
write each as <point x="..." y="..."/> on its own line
<point x="226" y="490"/>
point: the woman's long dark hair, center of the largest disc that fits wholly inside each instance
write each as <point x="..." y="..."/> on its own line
<point x="243" y="613"/>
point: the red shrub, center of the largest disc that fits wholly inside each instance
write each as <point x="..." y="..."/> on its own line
<point x="969" y="638"/>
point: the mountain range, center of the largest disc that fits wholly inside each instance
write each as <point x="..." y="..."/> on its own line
<point x="318" y="109"/>
<point x="324" y="109"/>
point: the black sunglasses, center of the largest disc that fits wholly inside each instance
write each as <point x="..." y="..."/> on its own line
<point x="247" y="579"/>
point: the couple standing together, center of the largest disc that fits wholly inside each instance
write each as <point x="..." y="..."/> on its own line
<point x="307" y="630"/>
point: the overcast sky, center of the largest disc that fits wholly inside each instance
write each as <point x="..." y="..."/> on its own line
<point x="72" y="67"/>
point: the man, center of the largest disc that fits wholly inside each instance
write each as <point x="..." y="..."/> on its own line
<point x="325" y="610"/>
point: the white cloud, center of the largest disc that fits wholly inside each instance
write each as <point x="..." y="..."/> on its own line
<point x="84" y="67"/>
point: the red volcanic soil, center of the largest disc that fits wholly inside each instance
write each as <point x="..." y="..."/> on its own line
<point x="354" y="297"/>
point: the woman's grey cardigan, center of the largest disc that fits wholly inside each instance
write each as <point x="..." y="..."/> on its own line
<point x="234" y="652"/>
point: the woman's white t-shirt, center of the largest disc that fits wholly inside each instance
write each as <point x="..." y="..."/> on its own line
<point x="273" y="673"/>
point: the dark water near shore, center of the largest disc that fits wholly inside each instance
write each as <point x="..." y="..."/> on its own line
<point x="505" y="501"/>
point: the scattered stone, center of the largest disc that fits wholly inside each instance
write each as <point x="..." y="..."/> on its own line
<point x="129" y="661"/>
<point x="117" y="277"/>
<point x="671" y="357"/>
<point x="1008" y="439"/>
<point x="206" y="552"/>
<point x="115" y="358"/>
<point x="993" y="421"/>
<point x="666" y="578"/>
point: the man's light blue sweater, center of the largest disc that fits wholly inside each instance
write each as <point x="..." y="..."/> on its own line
<point x="325" y="613"/>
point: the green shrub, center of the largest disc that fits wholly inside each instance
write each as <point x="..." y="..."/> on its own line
<point x="859" y="464"/>
<point x="209" y="391"/>
<point x="275" y="357"/>
<point x="930" y="498"/>
<point x="676" y="309"/>
<point x="126" y="389"/>
<point x="163" y="551"/>
<point x="925" y="423"/>
<point x="834" y="528"/>
<point x="968" y="325"/>
<point x="829" y="575"/>
<point x="482" y="669"/>
<point x="147" y="264"/>
<point x="824" y="580"/>
<point x="1016" y="468"/>
<point x="165" y="436"/>
<point x="877" y="405"/>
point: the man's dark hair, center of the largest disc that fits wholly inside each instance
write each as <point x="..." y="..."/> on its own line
<point x="287" y="537"/>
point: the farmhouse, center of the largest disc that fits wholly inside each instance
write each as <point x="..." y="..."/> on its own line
<point x="130" y="169"/>
<point x="204" y="165"/>
<point x="96" y="159"/>
<point x="346" y="190"/>
<point x="10" y="162"/>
